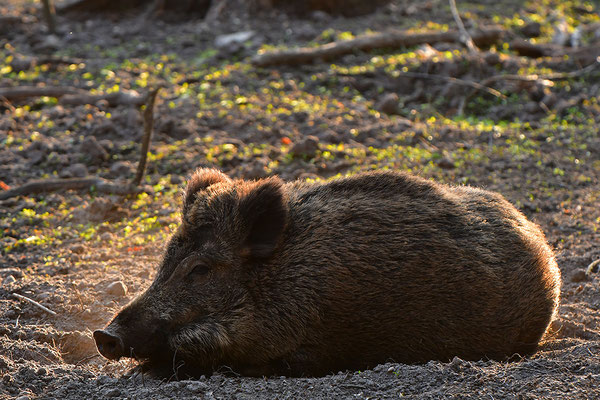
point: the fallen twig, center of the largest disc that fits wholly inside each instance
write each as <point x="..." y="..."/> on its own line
<point x="35" y="303"/>
<point x="475" y="85"/>
<point x="543" y="78"/>
<point x="582" y="55"/>
<point x="465" y="38"/>
<point x="148" y="126"/>
<point x="23" y="92"/>
<point x="392" y="39"/>
<point x="114" y="99"/>
<point x="53" y="185"/>
<point x="71" y="95"/>
<point x="22" y="62"/>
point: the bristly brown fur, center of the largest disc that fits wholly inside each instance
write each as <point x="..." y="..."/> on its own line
<point x="311" y="278"/>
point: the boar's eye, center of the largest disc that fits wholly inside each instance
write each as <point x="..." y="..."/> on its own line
<point x="199" y="270"/>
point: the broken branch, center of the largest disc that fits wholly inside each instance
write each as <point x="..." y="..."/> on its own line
<point x="475" y="85"/>
<point x="71" y="95"/>
<point x="392" y="39"/>
<point x="465" y="38"/>
<point x="53" y="185"/>
<point x="544" y="78"/>
<point x="23" y="92"/>
<point x="35" y="303"/>
<point x="148" y="126"/>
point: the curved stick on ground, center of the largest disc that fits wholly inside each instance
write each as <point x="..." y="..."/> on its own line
<point x="54" y="185"/>
<point x="148" y="126"/>
<point x="465" y="38"/>
<point x="392" y="39"/>
<point x="545" y="78"/>
<point x="475" y="85"/>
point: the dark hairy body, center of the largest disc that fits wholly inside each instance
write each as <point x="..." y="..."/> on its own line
<point x="267" y="277"/>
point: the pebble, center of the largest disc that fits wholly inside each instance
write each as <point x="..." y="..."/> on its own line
<point x="307" y="146"/>
<point x="446" y="163"/>
<point x="458" y="364"/>
<point x="196" y="386"/>
<point x="532" y="29"/>
<point x="579" y="275"/>
<point x="78" y="248"/>
<point x="93" y="149"/>
<point x="388" y="104"/>
<point x="77" y="170"/>
<point x="492" y="58"/>
<point x="237" y="38"/>
<point x="117" y="288"/>
<point x="121" y="169"/>
<point x="106" y="236"/>
<point x="114" y="392"/>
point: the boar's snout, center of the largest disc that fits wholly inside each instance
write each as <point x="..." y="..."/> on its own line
<point x="109" y="344"/>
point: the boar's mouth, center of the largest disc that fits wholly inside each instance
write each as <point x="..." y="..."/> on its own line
<point x="109" y="344"/>
<point x="114" y="346"/>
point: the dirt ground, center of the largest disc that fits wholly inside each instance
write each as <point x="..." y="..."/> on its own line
<point x="84" y="254"/>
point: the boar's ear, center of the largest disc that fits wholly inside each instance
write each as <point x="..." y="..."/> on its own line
<point x="200" y="180"/>
<point x="263" y="212"/>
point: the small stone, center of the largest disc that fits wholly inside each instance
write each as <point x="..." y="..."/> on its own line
<point x="225" y="41"/>
<point x="391" y="369"/>
<point x="388" y="104"/>
<point x="307" y="146"/>
<point x="492" y="58"/>
<point x="106" y="236"/>
<point x="93" y="149"/>
<point x="117" y="288"/>
<point x="256" y="170"/>
<point x="114" y="392"/>
<point x="196" y="386"/>
<point x="531" y="30"/>
<point x="22" y="398"/>
<point x="446" y="163"/>
<point x="35" y="157"/>
<point x="458" y="363"/>
<point x="121" y="169"/>
<point x="77" y="170"/>
<point x="78" y="248"/>
<point x="579" y="275"/>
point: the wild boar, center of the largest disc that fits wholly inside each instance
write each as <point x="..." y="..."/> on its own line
<point x="267" y="277"/>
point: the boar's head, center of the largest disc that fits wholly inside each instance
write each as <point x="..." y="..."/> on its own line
<point x="200" y="309"/>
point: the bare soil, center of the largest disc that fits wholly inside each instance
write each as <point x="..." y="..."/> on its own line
<point x="84" y="255"/>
